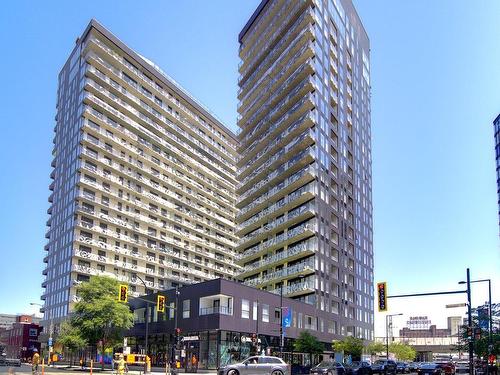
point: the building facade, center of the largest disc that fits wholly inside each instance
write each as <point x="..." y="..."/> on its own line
<point x="143" y="180"/>
<point x="21" y="338"/>
<point x="304" y="173"/>
<point x="221" y="322"/>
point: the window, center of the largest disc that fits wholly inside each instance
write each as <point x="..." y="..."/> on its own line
<point x="186" y="308"/>
<point x="255" y="311"/>
<point x="265" y="313"/>
<point x="245" y="309"/>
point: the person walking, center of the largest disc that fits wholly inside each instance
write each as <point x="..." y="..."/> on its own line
<point x="121" y="365"/>
<point x="35" y="361"/>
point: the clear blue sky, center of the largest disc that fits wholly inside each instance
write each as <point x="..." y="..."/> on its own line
<point x="436" y="89"/>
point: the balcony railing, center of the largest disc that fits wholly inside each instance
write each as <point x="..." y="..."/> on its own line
<point x="222" y="310"/>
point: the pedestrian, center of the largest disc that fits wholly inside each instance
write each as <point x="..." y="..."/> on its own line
<point x="35" y="360"/>
<point x="122" y="365"/>
<point x="194" y="361"/>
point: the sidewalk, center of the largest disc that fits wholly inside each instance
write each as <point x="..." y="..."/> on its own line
<point x="133" y="371"/>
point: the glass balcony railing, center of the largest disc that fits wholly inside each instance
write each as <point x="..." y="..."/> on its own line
<point x="309" y="226"/>
<point x="277" y="222"/>
<point x="299" y="268"/>
<point x="304" y="286"/>
<point x="310" y="151"/>
<point x="283" y="185"/>
<point x="309" y="188"/>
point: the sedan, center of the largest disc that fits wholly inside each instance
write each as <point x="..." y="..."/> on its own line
<point x="358" y="368"/>
<point x="328" y="367"/>
<point x="430" y="368"/>
<point x="402" y="368"/>
<point x="448" y="367"/>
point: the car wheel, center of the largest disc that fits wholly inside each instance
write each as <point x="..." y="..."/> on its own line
<point x="277" y="372"/>
<point x="233" y="372"/>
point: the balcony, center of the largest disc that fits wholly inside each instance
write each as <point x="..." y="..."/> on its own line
<point x="216" y="304"/>
<point x="295" y="289"/>
<point x="285" y="153"/>
<point x="294" y="216"/>
<point x="296" y="198"/>
<point x="99" y="46"/>
<point x="287" y="169"/>
<point x="292" y="253"/>
<point x="292" y="235"/>
<point x="273" y="195"/>
<point x="297" y="270"/>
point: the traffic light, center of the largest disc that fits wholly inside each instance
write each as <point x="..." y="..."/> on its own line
<point x="382" y="296"/>
<point x="123" y="293"/>
<point x="160" y="304"/>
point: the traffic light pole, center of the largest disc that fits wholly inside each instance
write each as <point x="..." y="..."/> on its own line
<point x="147" y="323"/>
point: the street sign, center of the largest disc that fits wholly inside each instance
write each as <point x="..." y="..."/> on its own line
<point x="50" y="341"/>
<point x="453" y="305"/>
<point x="287" y="317"/>
<point x="382" y="296"/>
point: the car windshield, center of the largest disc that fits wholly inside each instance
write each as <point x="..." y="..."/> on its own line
<point x="379" y="362"/>
<point x="325" y="364"/>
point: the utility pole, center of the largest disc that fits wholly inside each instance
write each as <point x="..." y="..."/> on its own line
<point x="387" y="318"/>
<point x="281" y="320"/>
<point x="469" y="323"/>
<point x="147" y="322"/>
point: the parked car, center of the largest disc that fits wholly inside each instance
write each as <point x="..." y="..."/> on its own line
<point x="329" y="367"/>
<point x="402" y="368"/>
<point x="384" y="366"/>
<point x="258" y="365"/>
<point x="448" y="367"/>
<point x="358" y="368"/>
<point x="430" y="368"/>
<point x="412" y="366"/>
<point x="13" y="362"/>
<point x="462" y="366"/>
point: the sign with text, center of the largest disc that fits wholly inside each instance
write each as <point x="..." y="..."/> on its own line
<point x="382" y="296"/>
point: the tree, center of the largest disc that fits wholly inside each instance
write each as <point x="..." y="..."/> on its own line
<point x="98" y="315"/>
<point x="70" y="338"/>
<point x="402" y="351"/>
<point x="374" y="348"/>
<point x="349" y="346"/>
<point x="308" y="343"/>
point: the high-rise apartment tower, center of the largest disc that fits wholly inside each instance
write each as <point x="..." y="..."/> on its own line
<point x="304" y="173"/>
<point x="143" y="181"/>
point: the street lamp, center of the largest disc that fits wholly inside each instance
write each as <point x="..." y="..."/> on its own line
<point x="50" y="329"/>
<point x="387" y="318"/>
<point x="490" y="320"/>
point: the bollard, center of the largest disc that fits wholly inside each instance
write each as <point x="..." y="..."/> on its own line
<point x="91" y="365"/>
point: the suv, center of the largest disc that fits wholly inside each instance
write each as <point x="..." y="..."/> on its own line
<point x="384" y="366"/>
<point x="257" y="365"/>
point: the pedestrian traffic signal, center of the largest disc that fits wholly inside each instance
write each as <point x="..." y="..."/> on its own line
<point x="123" y="293"/>
<point x="160" y="304"/>
<point x="382" y="296"/>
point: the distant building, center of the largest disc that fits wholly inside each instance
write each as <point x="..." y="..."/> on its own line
<point x="7" y="320"/>
<point x="454" y="323"/>
<point x="21" y="338"/>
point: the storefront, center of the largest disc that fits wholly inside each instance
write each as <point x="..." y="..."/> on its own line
<point x="221" y="322"/>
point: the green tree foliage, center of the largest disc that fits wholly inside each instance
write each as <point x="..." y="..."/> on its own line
<point x="308" y="343"/>
<point x="349" y="346"/>
<point x="374" y="348"/>
<point x="402" y="351"/>
<point x="98" y="315"/>
<point x="70" y="338"/>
